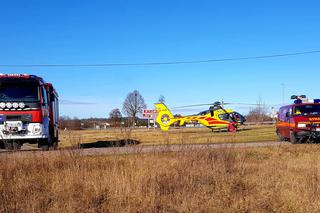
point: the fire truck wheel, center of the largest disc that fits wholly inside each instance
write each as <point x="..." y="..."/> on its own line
<point x="2" y="146"/>
<point x="43" y="145"/>
<point x="8" y="145"/>
<point x="16" y="145"/>
<point x="293" y="138"/>
<point x="54" y="146"/>
<point x="281" y="138"/>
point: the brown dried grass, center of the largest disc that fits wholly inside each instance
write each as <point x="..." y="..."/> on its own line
<point x="277" y="179"/>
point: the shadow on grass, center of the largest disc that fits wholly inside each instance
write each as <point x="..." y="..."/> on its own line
<point x="226" y="131"/>
<point x="105" y="144"/>
<point x="244" y="129"/>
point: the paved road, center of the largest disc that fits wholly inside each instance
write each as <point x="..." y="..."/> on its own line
<point x="151" y="149"/>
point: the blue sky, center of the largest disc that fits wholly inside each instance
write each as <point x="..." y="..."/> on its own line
<point x="89" y="32"/>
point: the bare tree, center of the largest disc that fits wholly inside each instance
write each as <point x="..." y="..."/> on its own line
<point x="259" y="113"/>
<point x="115" y="117"/>
<point x="162" y="99"/>
<point x="133" y="105"/>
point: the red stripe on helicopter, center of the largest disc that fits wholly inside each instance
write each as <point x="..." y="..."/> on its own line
<point x="218" y="122"/>
<point x="210" y="119"/>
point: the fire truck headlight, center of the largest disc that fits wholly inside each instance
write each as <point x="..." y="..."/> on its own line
<point x="36" y="129"/>
<point x="21" y="105"/>
<point x="15" y="105"/>
<point x="9" y="105"/>
<point x="2" y="105"/>
<point x="302" y="125"/>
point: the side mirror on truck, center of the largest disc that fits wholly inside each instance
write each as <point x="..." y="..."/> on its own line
<point x="288" y="114"/>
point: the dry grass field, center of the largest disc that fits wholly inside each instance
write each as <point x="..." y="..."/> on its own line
<point x="174" y="136"/>
<point x="275" y="179"/>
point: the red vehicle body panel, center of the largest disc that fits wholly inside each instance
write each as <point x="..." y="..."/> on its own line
<point x="36" y="114"/>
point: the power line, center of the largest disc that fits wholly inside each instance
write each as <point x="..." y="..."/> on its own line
<point x="164" y="62"/>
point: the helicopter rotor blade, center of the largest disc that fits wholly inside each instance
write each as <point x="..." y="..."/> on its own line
<point x="189" y="106"/>
<point x="215" y="103"/>
<point x="244" y="104"/>
<point x="221" y="104"/>
<point x="248" y="105"/>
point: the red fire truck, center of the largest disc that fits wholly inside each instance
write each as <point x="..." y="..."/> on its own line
<point x="29" y="112"/>
<point x="300" y="121"/>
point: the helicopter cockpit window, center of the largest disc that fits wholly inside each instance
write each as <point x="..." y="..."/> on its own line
<point x="224" y="116"/>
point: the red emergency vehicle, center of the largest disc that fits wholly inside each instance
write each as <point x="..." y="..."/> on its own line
<point x="29" y="112"/>
<point x="300" y="121"/>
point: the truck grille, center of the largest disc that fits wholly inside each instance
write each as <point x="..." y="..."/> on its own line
<point x="23" y="118"/>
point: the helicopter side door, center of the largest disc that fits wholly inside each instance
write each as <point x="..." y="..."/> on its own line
<point x="224" y="116"/>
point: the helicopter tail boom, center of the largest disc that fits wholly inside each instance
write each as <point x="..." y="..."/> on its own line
<point x="165" y="117"/>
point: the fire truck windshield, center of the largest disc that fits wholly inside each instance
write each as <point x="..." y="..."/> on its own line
<point x="312" y="109"/>
<point x="19" y="91"/>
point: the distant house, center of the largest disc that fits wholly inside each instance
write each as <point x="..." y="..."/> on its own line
<point x="106" y="125"/>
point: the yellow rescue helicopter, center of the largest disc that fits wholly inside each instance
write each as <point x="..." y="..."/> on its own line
<point x="216" y="117"/>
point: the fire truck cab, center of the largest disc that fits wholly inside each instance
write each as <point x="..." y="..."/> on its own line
<point x="300" y="121"/>
<point x="29" y="112"/>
